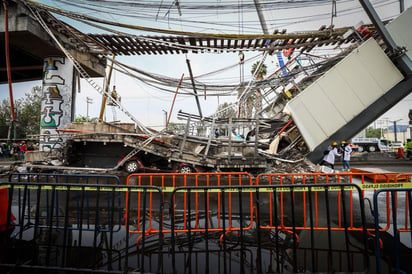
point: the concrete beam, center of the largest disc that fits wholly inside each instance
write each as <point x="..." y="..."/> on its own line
<point x="366" y="117"/>
<point x="30" y="45"/>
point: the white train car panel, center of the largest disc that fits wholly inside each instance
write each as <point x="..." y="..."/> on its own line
<point x="343" y="93"/>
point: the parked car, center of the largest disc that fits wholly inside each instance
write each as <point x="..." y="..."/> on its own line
<point x="395" y="145"/>
<point x="157" y="164"/>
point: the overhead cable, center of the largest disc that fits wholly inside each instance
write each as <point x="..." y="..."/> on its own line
<point x="78" y="16"/>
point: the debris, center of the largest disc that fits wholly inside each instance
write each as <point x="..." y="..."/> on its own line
<point x="292" y="161"/>
<point x="21" y="169"/>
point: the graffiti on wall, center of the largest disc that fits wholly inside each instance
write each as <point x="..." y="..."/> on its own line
<point x="56" y="102"/>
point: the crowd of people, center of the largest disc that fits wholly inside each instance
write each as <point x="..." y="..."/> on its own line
<point x="16" y="150"/>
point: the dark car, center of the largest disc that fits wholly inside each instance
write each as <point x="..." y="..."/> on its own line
<point x="157" y="164"/>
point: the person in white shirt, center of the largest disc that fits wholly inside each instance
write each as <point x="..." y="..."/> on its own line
<point x="346" y="152"/>
<point x="329" y="158"/>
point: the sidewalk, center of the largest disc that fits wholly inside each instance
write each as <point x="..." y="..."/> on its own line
<point x="377" y="158"/>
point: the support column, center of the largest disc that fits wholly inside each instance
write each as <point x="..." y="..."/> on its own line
<point x="57" y="100"/>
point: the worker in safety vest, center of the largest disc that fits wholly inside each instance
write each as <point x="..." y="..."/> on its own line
<point x="408" y="148"/>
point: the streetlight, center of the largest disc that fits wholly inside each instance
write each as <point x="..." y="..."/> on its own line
<point x="410" y="123"/>
<point x="241" y="56"/>
<point x="395" y="129"/>
<point x="88" y="101"/>
<point x="241" y="59"/>
<point x="165" y="112"/>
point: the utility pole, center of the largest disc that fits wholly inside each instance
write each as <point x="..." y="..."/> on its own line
<point x="261" y="17"/>
<point x="334" y="12"/>
<point x="106" y="91"/>
<point x="194" y="87"/>
<point x="395" y="130"/>
<point x="88" y="101"/>
<point x="410" y="123"/>
<point x="165" y="112"/>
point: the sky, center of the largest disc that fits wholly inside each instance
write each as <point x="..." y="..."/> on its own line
<point x="150" y="106"/>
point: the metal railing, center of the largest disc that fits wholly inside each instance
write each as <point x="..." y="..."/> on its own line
<point x="397" y="252"/>
<point x="65" y="242"/>
<point x="261" y="242"/>
<point x="200" y="222"/>
<point x="168" y="182"/>
<point x="82" y="208"/>
<point x="368" y="182"/>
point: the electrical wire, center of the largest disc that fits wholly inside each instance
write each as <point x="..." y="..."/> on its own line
<point x="193" y="11"/>
<point x="79" y="16"/>
<point x="168" y="84"/>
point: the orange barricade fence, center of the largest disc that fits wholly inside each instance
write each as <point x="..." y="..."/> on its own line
<point x="200" y="206"/>
<point x="236" y="229"/>
<point x="282" y="220"/>
<point x="315" y="206"/>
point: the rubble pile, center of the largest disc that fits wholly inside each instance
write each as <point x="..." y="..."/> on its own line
<point x="292" y="161"/>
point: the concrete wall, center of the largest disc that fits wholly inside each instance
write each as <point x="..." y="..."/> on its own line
<point x="57" y="100"/>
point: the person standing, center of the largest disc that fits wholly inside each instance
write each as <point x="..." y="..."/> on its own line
<point x="329" y="158"/>
<point x="408" y="148"/>
<point x="23" y="150"/>
<point x="217" y="132"/>
<point x="346" y="153"/>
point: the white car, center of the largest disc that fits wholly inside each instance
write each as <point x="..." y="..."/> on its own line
<point x="395" y="145"/>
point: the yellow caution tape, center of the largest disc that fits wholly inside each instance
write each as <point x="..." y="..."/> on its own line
<point x="263" y="189"/>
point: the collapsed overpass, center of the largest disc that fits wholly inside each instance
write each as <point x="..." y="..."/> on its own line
<point x="355" y="92"/>
<point x="369" y="81"/>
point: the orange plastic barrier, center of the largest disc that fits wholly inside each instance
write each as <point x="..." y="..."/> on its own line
<point x="4" y="205"/>
<point x="379" y="175"/>
<point x="184" y="204"/>
<point x="289" y="211"/>
<point x="321" y="207"/>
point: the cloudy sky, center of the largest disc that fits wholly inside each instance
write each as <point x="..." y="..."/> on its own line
<point x="149" y="105"/>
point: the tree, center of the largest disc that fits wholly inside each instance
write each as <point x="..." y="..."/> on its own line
<point x="83" y="119"/>
<point x="27" y="111"/>
<point x="373" y="132"/>
<point x="261" y="72"/>
<point x="5" y="118"/>
<point x="254" y="99"/>
<point x="226" y="110"/>
<point x="28" y="115"/>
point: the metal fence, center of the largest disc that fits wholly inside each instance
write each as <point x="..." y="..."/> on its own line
<point x="273" y="249"/>
<point x="396" y="250"/>
<point x="193" y="223"/>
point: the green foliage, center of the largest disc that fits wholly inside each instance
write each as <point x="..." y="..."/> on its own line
<point x="373" y="133"/>
<point x="27" y="110"/>
<point x="262" y="70"/>
<point x="84" y="119"/>
<point x="226" y="110"/>
<point x="173" y="124"/>
<point x="176" y="127"/>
